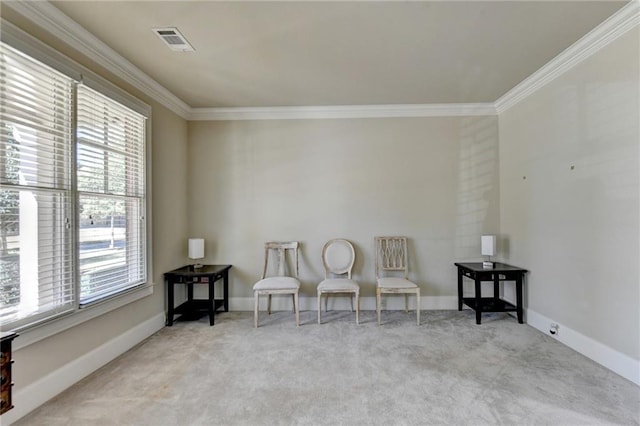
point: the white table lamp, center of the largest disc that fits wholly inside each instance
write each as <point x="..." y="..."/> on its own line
<point x="196" y="250"/>
<point x="488" y="247"/>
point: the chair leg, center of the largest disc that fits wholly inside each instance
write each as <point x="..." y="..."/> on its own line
<point x="357" y="307"/>
<point x="255" y="310"/>
<point x="319" y="306"/>
<point x="293" y="299"/>
<point x="269" y="304"/>
<point x="378" y="303"/>
<point x="418" y="305"/>
<point x="351" y="300"/>
<point x="296" y="308"/>
<point x="326" y="302"/>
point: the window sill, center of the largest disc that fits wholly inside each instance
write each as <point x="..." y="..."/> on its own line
<point x="30" y="336"/>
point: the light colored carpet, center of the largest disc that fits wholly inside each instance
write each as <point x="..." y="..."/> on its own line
<point x="448" y="371"/>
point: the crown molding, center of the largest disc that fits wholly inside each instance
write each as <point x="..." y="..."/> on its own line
<point x="615" y="26"/>
<point x="51" y="19"/>
<point x="342" y="111"/>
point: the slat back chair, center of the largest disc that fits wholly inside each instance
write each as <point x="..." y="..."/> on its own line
<point x="279" y="251"/>
<point x="278" y="276"/>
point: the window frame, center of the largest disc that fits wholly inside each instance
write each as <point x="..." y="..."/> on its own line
<point x="41" y="329"/>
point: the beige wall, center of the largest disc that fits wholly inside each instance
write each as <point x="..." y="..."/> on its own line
<point x="169" y="206"/>
<point x="578" y="230"/>
<point x="434" y="180"/>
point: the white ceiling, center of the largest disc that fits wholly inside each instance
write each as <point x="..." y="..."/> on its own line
<point x="263" y="54"/>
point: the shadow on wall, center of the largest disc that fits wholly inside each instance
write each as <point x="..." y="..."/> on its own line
<point x="478" y="198"/>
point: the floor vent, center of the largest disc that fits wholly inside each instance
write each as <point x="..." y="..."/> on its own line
<point x="174" y="39"/>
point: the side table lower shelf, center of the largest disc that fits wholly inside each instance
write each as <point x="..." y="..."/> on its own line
<point x="195" y="309"/>
<point x="490" y="304"/>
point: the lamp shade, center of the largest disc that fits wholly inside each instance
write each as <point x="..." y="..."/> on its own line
<point x="196" y="248"/>
<point x="488" y="245"/>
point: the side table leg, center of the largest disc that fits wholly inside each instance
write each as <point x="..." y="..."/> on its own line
<point x="169" y="302"/>
<point x="225" y="285"/>
<point x="190" y="289"/>
<point x="519" y="299"/>
<point x="478" y="302"/>
<point x="459" y="289"/>
<point x="212" y="300"/>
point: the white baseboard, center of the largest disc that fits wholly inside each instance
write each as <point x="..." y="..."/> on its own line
<point x="32" y="396"/>
<point x="341" y="302"/>
<point x="615" y="361"/>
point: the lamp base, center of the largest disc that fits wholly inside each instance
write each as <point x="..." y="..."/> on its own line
<point x="197" y="265"/>
<point x="488" y="265"/>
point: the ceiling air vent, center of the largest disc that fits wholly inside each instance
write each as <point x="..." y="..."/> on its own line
<point x="172" y="38"/>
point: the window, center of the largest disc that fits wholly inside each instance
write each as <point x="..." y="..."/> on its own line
<point x="35" y="198"/>
<point x="110" y="179"/>
<point x="72" y="194"/>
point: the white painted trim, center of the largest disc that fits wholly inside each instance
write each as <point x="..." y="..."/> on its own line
<point x="615" y="361"/>
<point x="50" y="18"/>
<point x="32" y="396"/>
<point x="341" y="303"/>
<point x="615" y="26"/>
<point x="32" y="335"/>
<point x="341" y="111"/>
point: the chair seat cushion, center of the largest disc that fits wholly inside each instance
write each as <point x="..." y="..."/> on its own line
<point x="277" y="283"/>
<point x="392" y="282"/>
<point x="336" y="284"/>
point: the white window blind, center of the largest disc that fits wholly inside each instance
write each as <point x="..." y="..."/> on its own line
<point x="36" y="139"/>
<point x="111" y="196"/>
<point x="73" y="230"/>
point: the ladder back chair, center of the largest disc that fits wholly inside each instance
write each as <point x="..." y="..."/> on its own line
<point x="391" y="260"/>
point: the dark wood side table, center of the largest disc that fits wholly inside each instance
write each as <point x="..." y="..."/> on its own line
<point x="188" y="275"/>
<point x="499" y="272"/>
<point x="5" y="370"/>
